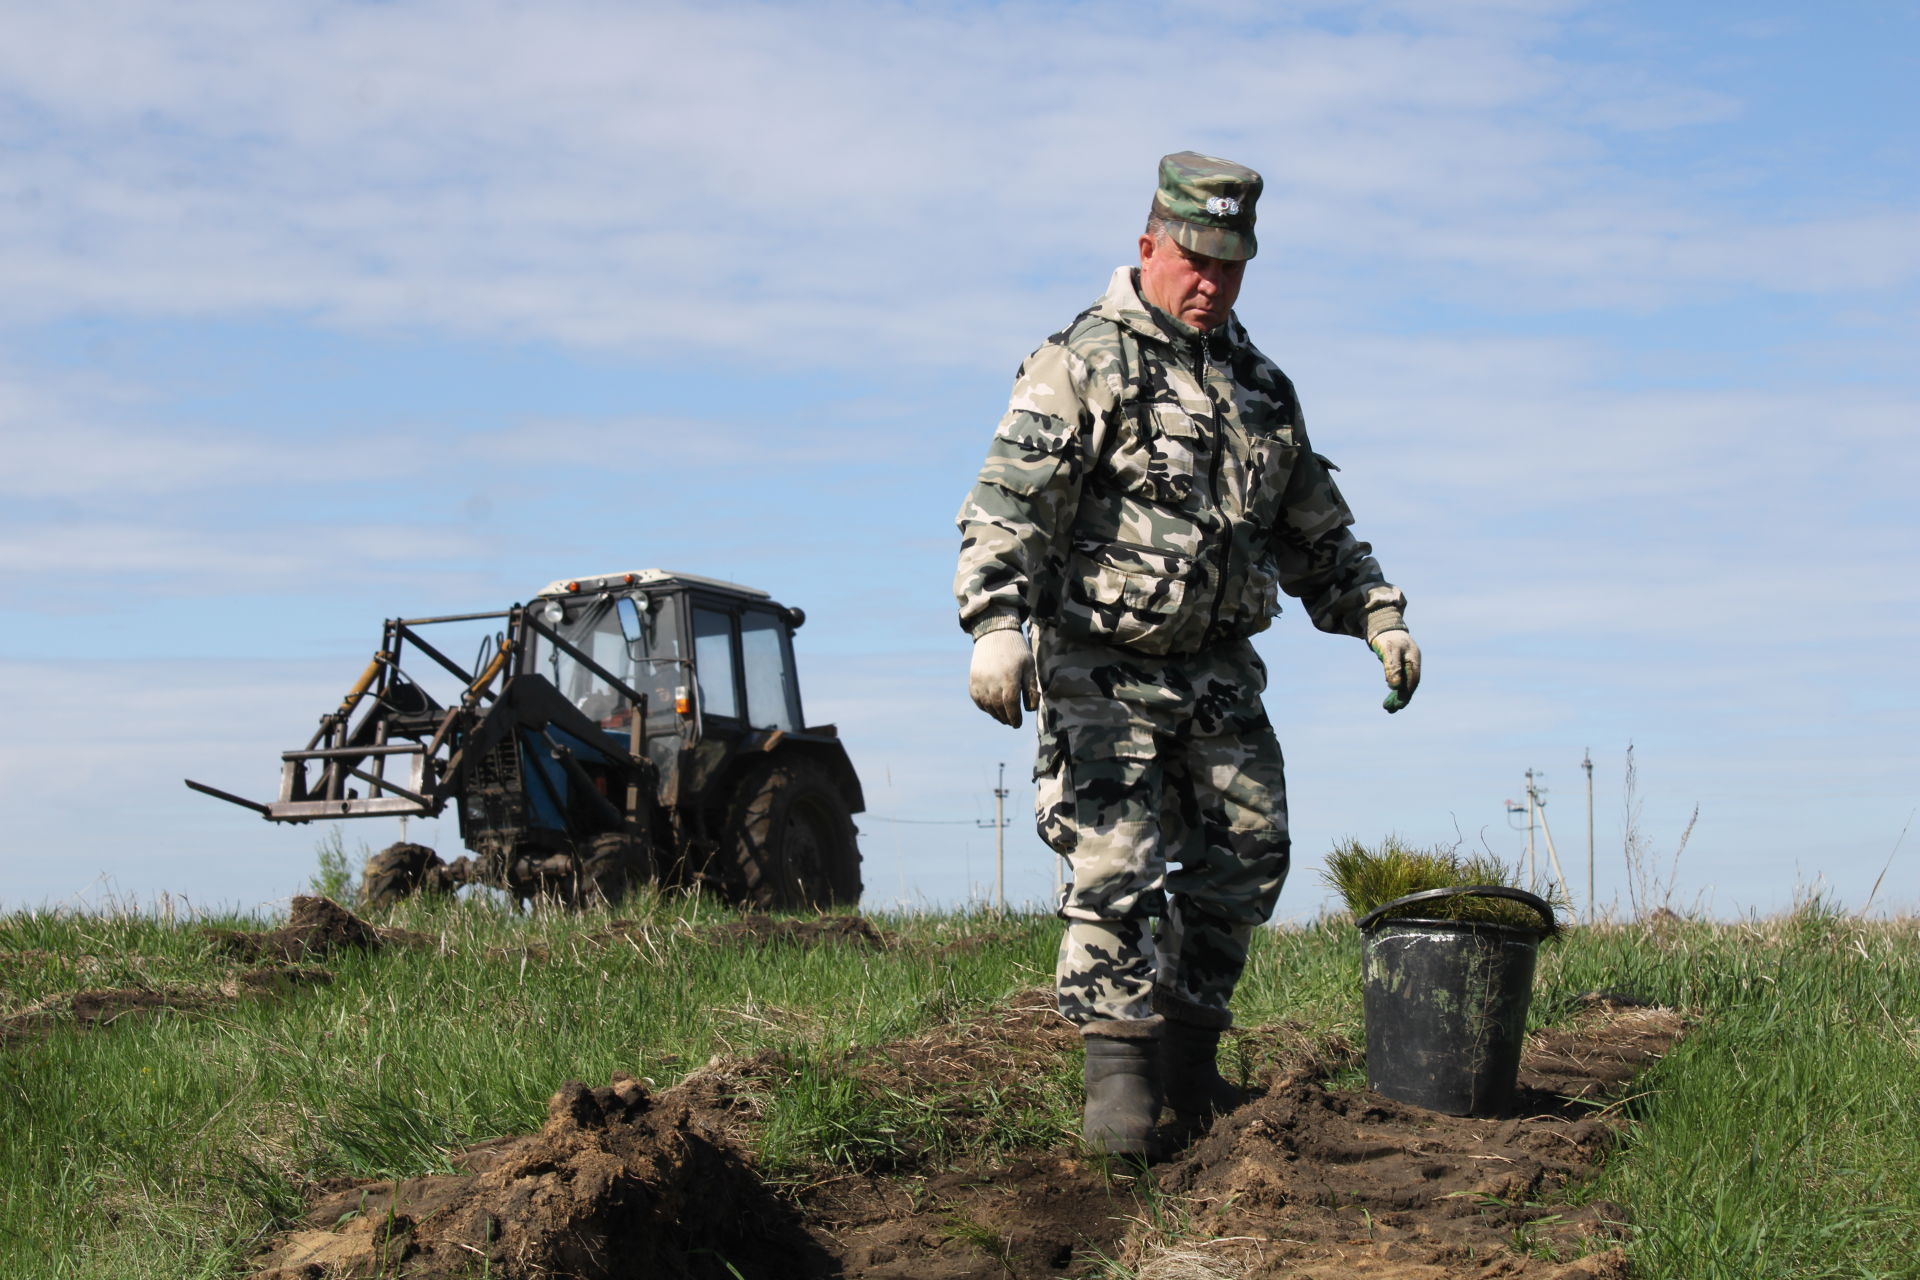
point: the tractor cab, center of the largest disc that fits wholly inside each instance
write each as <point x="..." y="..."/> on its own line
<point x="706" y="655"/>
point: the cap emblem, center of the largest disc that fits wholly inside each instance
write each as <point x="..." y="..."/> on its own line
<point x="1223" y="206"/>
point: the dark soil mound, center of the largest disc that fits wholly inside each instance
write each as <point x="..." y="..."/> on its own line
<point x="1044" y="1216"/>
<point x="104" y="1006"/>
<point x="315" y="927"/>
<point x="1600" y="1053"/>
<point x="762" y="929"/>
<point x="619" y="1182"/>
<point x="100" y="1007"/>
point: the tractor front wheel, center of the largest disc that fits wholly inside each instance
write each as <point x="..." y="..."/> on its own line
<point x="611" y="866"/>
<point x="790" y="839"/>
<point x="396" y="872"/>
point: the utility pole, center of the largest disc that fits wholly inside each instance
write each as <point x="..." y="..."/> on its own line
<point x="999" y="825"/>
<point x="1537" y="794"/>
<point x="1593" y="904"/>
<point x="1533" y="878"/>
<point x="1536" y="811"/>
<point x="1527" y="809"/>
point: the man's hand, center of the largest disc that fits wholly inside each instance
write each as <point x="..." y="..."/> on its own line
<point x="1002" y="676"/>
<point x="1400" y="656"/>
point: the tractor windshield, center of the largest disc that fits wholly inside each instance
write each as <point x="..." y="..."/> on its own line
<point x="639" y="645"/>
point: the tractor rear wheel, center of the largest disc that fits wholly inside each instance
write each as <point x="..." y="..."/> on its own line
<point x="396" y="872"/>
<point x="789" y="841"/>
<point x="610" y="866"/>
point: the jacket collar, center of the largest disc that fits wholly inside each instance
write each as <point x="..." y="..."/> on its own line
<point x="1123" y="305"/>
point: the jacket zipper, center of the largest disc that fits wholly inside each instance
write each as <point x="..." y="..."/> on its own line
<point x="1213" y="482"/>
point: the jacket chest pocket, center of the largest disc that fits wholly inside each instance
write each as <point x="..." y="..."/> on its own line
<point x="1126" y="594"/>
<point x="1270" y="461"/>
<point x="1162" y="457"/>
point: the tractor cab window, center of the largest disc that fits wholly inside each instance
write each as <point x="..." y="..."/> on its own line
<point x="713" y="662"/>
<point x="640" y="646"/>
<point x="652" y="626"/>
<point x="772" y="698"/>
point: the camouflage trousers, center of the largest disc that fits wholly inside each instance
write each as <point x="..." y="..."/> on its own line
<point x="1145" y="763"/>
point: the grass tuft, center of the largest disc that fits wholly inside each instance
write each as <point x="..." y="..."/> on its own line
<point x="1368" y="878"/>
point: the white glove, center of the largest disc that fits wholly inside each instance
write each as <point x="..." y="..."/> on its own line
<point x="1002" y="675"/>
<point x="1400" y="657"/>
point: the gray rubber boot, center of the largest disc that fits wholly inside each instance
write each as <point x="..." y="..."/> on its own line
<point x="1195" y="1088"/>
<point x="1123" y="1094"/>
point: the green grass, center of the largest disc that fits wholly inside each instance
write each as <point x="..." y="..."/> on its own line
<point x="1777" y="1142"/>
<point x="167" y="1144"/>
<point x="1780" y="1140"/>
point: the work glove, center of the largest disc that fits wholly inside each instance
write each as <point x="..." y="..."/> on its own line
<point x="1002" y="676"/>
<point x="1400" y="656"/>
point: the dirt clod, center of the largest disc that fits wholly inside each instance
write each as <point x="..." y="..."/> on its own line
<point x="618" y="1182"/>
<point x="316" y="927"/>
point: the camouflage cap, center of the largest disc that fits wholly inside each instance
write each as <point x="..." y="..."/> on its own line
<point x="1208" y="203"/>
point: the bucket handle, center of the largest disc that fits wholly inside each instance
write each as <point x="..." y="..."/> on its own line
<point x="1478" y="890"/>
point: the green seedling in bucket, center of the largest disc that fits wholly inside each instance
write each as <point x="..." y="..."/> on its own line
<point x="1367" y="879"/>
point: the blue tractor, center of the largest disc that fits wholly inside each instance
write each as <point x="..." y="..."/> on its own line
<point x="616" y="730"/>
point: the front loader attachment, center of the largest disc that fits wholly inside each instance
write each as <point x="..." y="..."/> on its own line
<point x="391" y="750"/>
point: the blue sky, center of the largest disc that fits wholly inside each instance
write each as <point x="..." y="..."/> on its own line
<point x="312" y="315"/>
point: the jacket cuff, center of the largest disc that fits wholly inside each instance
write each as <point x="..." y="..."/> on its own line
<point x="994" y="620"/>
<point x="1381" y="621"/>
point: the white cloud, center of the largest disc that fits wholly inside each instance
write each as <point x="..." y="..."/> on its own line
<point x="39" y="565"/>
<point x="640" y="445"/>
<point x="793" y="182"/>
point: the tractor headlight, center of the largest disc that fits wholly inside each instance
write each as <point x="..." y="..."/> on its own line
<point x="554" y="613"/>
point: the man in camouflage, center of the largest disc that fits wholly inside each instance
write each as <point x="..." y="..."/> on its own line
<point x="1145" y="500"/>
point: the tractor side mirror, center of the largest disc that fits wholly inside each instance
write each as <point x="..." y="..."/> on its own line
<point x="629" y="614"/>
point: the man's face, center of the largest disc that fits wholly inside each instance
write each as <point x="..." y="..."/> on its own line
<point x="1197" y="290"/>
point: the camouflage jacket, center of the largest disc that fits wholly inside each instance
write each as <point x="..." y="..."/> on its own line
<point x="1151" y="487"/>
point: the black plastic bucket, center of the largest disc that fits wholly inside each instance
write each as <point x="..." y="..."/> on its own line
<point x="1446" y="1002"/>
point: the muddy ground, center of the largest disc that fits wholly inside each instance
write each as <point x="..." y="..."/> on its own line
<point x="1304" y="1180"/>
<point x="104" y="1006"/>
<point x="316" y="928"/>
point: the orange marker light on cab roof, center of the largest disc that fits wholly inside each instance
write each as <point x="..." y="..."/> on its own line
<point x="573" y="586"/>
